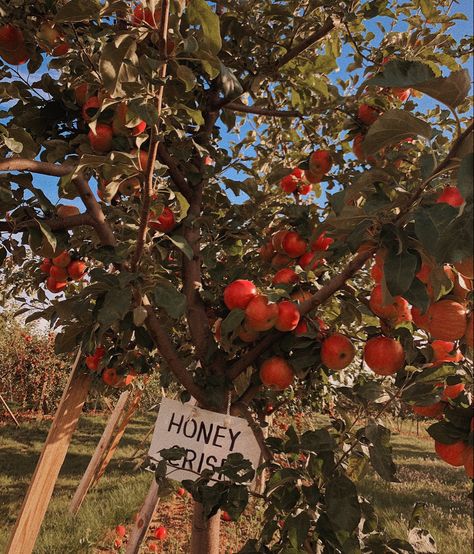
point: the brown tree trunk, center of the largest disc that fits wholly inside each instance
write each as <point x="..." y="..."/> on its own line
<point x="205" y="532"/>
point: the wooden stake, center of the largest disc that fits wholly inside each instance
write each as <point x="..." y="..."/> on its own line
<point x="54" y="451"/>
<point x="12" y="415"/>
<point x="144" y="518"/>
<point x="101" y="449"/>
<point x="127" y="416"/>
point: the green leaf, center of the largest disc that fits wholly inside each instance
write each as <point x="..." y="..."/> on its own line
<point x="417" y="295"/>
<point x="78" y="10"/>
<point x="466" y="176"/>
<point x="317" y="441"/>
<point x="67" y="340"/>
<point x="399" y="271"/>
<point x="182" y="244"/>
<point x="451" y="90"/>
<point x="232" y="322"/>
<point x="380" y="451"/>
<point x="50" y="238"/>
<point x="183" y="206"/>
<point x="115" y="306"/>
<point x="435" y="374"/>
<point x="196" y="115"/>
<point x="401" y="74"/>
<point x="186" y="75"/>
<point x="170" y="299"/>
<point x="117" y="64"/>
<point x="298" y="528"/>
<point x="431" y="224"/>
<point x="391" y="128"/>
<point x="230" y="84"/>
<point x="200" y="13"/>
<point x="444" y="432"/>
<point x="342" y="503"/>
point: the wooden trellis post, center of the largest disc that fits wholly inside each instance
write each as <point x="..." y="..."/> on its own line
<point x="54" y="451"/>
<point x="101" y="449"/>
<point x="144" y="517"/>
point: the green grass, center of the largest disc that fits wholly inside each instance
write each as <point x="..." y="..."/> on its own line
<point x="121" y="491"/>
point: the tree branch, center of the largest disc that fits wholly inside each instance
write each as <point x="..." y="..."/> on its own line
<point x="167" y="350"/>
<point x="154" y="142"/>
<point x="56" y="224"/>
<point x="175" y="172"/>
<point x="239" y="107"/>
<point x="242" y="409"/>
<point x="43" y="168"/>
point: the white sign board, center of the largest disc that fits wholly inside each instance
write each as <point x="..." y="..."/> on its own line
<point x="208" y="438"/>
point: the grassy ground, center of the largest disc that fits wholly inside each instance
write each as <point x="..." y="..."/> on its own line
<point x="121" y="491"/>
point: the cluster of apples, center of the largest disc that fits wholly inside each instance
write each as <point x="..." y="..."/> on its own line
<point x="299" y="181"/>
<point x="285" y="247"/>
<point x="62" y="269"/>
<point x="110" y="376"/>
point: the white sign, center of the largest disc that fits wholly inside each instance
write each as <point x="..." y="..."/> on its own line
<point x="208" y="437"/>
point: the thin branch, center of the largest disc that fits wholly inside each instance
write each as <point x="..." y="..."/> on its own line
<point x="162" y="339"/>
<point x="175" y="172"/>
<point x="239" y="107"/>
<point x="55" y="224"/>
<point x="242" y="409"/>
<point x="154" y="142"/>
<point x="43" y="168"/>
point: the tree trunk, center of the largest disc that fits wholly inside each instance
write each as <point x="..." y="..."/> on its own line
<point x="205" y="533"/>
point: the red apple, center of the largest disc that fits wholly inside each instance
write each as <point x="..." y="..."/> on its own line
<point x="165" y="221"/>
<point x="101" y="139"/>
<point x="285" y="276"/>
<point x="276" y="372"/>
<point x="288" y="316"/>
<point x="260" y="314"/>
<point x="160" y="533"/>
<point x="367" y="114"/>
<point x="337" y="352"/>
<point x="293" y="245"/>
<point x="239" y="293"/>
<point x="320" y="162"/>
<point x="451" y="196"/>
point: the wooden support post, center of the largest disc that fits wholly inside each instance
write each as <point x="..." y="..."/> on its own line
<point x="12" y="415"/>
<point x="54" y="451"/>
<point x="120" y="430"/>
<point x="144" y="518"/>
<point x="101" y="449"/>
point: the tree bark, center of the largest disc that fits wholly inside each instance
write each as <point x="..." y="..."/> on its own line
<point x="205" y="532"/>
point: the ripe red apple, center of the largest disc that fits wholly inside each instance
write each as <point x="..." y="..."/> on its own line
<point x="367" y="114"/>
<point x="12" y="45"/>
<point x="337" y="352"/>
<point x="111" y="377"/>
<point x="320" y="162"/>
<point x="160" y="533"/>
<point x="285" y="276"/>
<point x="46" y="265"/>
<point x="121" y="530"/>
<point x="288" y="316"/>
<point x="225" y="516"/>
<point x="304" y="188"/>
<point x="120" y="120"/>
<point x="266" y="251"/>
<point x="277" y="241"/>
<point x="301" y="328"/>
<point x="58" y="273"/>
<point x="153" y="547"/>
<point x="395" y="312"/>
<point x="90" y="108"/>
<point x="451" y="196"/>
<point x="309" y="261"/>
<point x="101" y="139"/>
<point x="452" y="454"/>
<point x="76" y="269"/>
<point x="445" y="352"/>
<point x="280" y="260"/>
<point x="165" y="221"/>
<point x="260" y="314"/>
<point x="434" y="410"/>
<point x="293" y="245"/>
<point x="288" y="183"/>
<point x="269" y="409"/>
<point x="118" y="543"/>
<point x="384" y="355"/>
<point x="142" y="158"/>
<point x="357" y="147"/>
<point x="60" y="50"/>
<point x="55" y="286"/>
<point x="246" y="334"/>
<point x="239" y="293"/>
<point x="313" y="178"/>
<point x="92" y="363"/>
<point x="181" y="491"/>
<point x="322" y="242"/>
<point x="453" y="391"/>
<point x="62" y="260"/>
<point x="276" y="372"/>
<point x="141" y="14"/>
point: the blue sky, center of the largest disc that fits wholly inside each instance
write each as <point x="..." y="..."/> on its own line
<point x="462" y="28"/>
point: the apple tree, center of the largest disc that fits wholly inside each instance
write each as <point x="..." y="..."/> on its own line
<point x="270" y="203"/>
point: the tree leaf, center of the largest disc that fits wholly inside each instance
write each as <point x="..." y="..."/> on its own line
<point x="170" y="299"/>
<point x="342" y="503"/>
<point x="182" y="244"/>
<point x="401" y="74"/>
<point x="298" y="528"/>
<point x="183" y="206"/>
<point x="78" y="10"/>
<point x="431" y="224"/>
<point x="49" y="236"/>
<point x="117" y="64"/>
<point x="232" y="322"/>
<point x="399" y="271"/>
<point x="186" y="75"/>
<point x="200" y="13"/>
<point x="417" y="295"/>
<point x="451" y="90"/>
<point x="115" y="306"/>
<point x="380" y="451"/>
<point x="391" y="128"/>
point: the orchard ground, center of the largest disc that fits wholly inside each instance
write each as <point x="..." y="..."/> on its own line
<point x="424" y="478"/>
